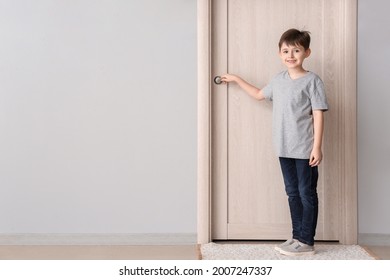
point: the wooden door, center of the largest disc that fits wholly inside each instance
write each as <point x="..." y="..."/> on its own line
<point x="247" y="194"/>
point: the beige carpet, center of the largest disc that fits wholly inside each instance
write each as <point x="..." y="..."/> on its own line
<point x="214" y="251"/>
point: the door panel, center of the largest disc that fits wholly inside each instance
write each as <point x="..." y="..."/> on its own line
<point x="248" y="198"/>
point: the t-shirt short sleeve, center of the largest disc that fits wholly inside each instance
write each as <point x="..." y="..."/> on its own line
<point x="267" y="91"/>
<point x="317" y="97"/>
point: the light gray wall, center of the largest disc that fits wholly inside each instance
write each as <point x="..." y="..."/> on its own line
<point x="98" y="116"/>
<point x="374" y="116"/>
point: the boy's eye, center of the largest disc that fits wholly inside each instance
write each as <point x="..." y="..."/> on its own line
<point x="297" y="51"/>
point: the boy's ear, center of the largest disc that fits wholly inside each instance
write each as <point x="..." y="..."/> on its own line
<point x="308" y="52"/>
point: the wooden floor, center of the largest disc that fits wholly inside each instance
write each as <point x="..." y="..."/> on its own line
<point x="166" y="252"/>
<point x="379" y="252"/>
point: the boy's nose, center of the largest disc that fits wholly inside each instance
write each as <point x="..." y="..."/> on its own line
<point x="291" y="54"/>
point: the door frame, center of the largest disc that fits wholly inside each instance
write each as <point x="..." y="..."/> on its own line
<point x="348" y="209"/>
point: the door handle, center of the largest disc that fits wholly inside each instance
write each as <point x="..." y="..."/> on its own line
<point x="217" y="80"/>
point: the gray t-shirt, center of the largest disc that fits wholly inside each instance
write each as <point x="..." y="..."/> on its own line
<point x="293" y="103"/>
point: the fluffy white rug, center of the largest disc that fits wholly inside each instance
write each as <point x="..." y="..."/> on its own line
<point x="214" y="251"/>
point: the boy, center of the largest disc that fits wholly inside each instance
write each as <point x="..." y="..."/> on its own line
<point x="298" y="104"/>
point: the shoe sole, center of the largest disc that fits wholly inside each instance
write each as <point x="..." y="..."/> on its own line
<point x="286" y="253"/>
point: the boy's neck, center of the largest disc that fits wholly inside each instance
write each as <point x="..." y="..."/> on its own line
<point x="296" y="73"/>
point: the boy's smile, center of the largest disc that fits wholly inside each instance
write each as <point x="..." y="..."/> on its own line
<point x="293" y="56"/>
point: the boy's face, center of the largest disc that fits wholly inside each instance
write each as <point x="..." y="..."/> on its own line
<point x="293" y="56"/>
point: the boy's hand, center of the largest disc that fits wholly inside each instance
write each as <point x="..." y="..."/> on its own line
<point x="227" y="78"/>
<point x="315" y="157"/>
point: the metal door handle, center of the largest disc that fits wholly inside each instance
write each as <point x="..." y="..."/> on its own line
<point x="217" y="80"/>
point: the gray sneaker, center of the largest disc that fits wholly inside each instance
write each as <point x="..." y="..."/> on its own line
<point x="297" y="249"/>
<point x="285" y="244"/>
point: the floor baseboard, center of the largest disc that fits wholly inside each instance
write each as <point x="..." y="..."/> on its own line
<point x="374" y="239"/>
<point x="137" y="239"/>
<point x="99" y="239"/>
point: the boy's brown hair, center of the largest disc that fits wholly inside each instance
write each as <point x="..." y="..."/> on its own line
<point x="294" y="37"/>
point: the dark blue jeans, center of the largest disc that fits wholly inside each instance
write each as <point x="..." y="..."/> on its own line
<point x="300" y="180"/>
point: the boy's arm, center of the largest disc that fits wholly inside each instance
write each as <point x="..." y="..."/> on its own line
<point x="318" y="123"/>
<point x="247" y="87"/>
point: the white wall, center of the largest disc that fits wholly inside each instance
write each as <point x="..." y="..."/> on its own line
<point x="97" y="116"/>
<point x="374" y="116"/>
